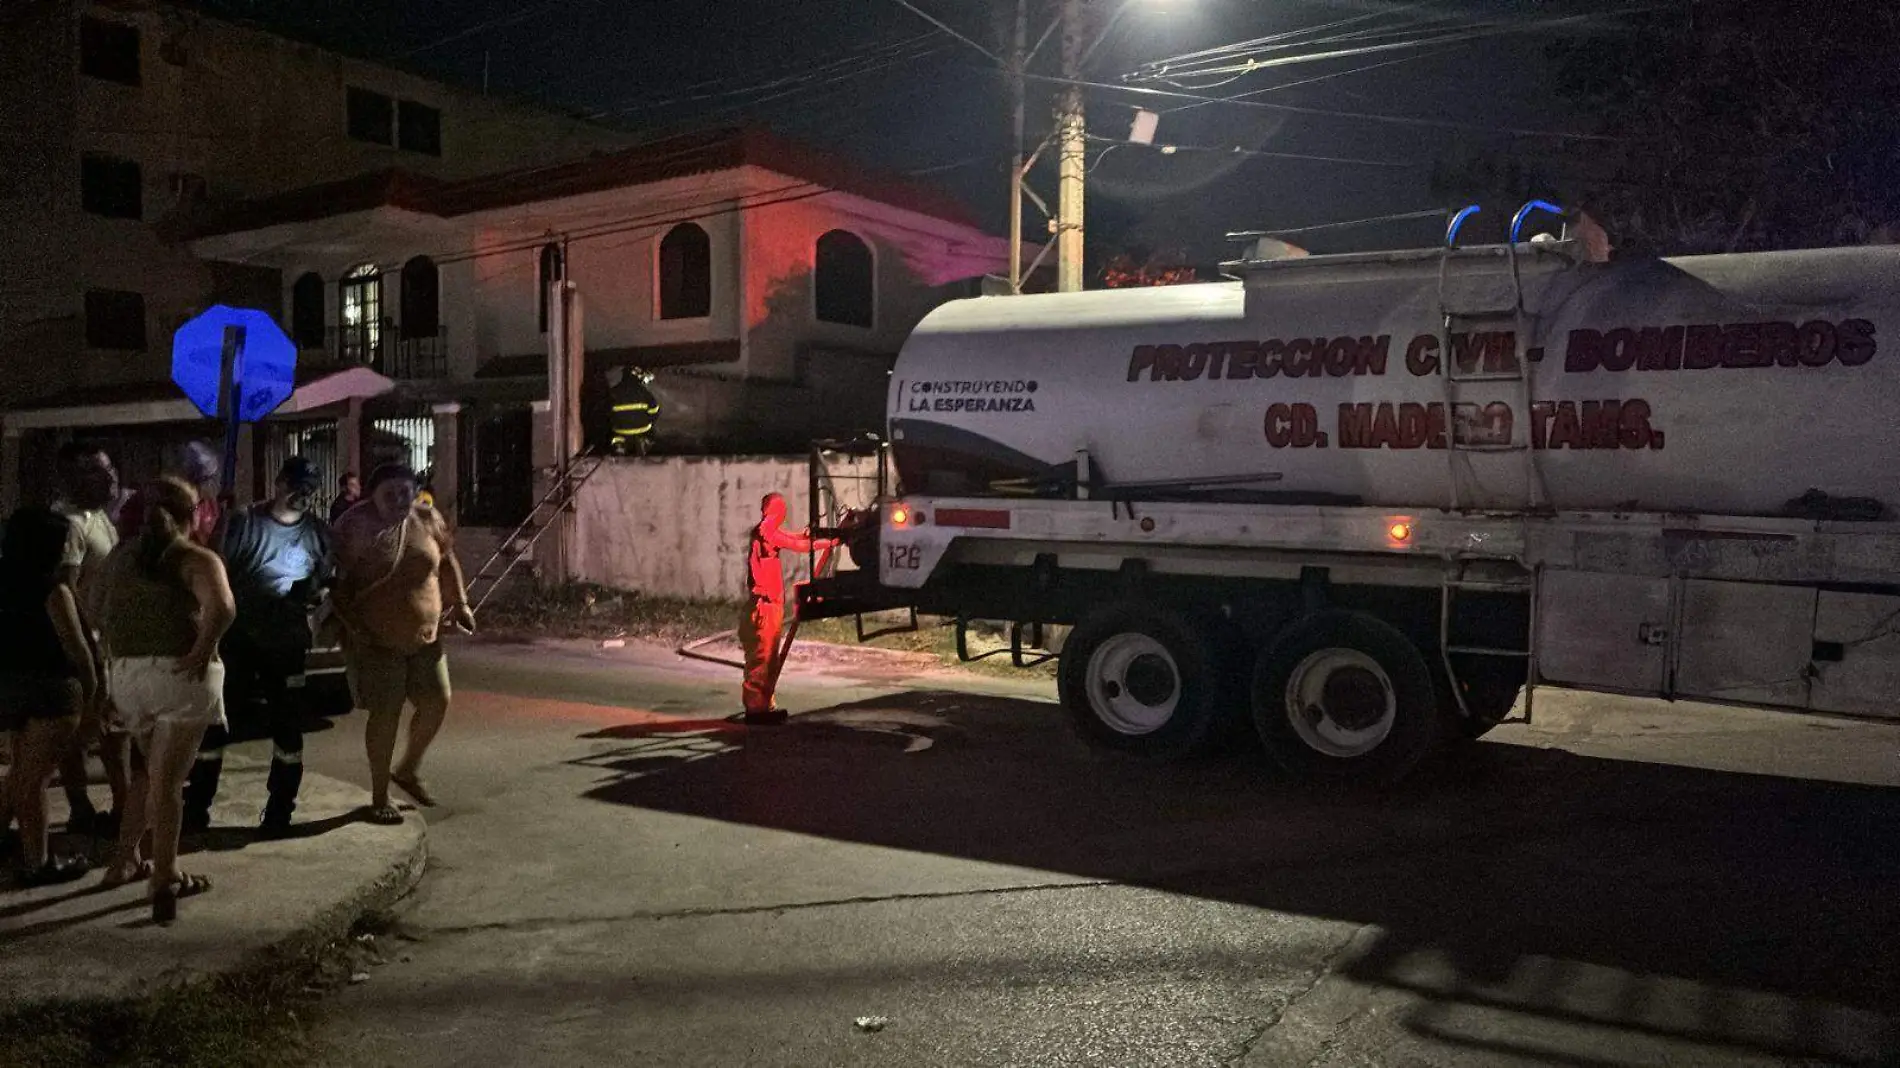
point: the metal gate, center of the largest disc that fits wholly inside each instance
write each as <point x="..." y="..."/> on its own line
<point x="406" y="439"/>
<point x="316" y="442"/>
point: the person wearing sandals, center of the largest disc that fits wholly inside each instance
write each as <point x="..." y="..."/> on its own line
<point x="163" y="604"/>
<point x="47" y="677"/>
<point x="396" y="576"/>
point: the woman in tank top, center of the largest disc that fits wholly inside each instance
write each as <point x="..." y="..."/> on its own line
<point x="163" y="603"/>
<point x="47" y="675"/>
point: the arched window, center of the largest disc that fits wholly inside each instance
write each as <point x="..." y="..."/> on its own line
<point x="421" y="298"/>
<point x="685" y="273"/>
<point x="306" y="311"/>
<point x="552" y="269"/>
<point x="844" y="280"/>
<point x="361" y="315"/>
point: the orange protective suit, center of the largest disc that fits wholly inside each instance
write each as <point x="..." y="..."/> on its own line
<point x="764" y="614"/>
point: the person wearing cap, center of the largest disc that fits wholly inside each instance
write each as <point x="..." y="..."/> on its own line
<point x="278" y="555"/>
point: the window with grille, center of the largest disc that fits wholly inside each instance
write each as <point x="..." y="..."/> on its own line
<point x="362" y="315"/>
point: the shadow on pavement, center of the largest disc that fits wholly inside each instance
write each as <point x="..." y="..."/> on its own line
<point x="1751" y="913"/>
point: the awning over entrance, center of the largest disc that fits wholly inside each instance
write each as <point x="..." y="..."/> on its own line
<point x="161" y="402"/>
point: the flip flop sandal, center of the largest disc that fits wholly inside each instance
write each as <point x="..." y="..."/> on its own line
<point x="165" y="898"/>
<point x="56" y="870"/>
<point x="116" y="875"/>
<point x="412" y="786"/>
<point x="386" y="815"/>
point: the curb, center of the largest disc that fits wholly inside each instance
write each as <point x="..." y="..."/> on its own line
<point x="334" y="924"/>
<point x="273" y="956"/>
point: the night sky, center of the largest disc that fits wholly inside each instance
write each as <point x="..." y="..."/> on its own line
<point x="876" y="82"/>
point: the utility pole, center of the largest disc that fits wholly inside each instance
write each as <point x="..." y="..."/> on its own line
<point x="1072" y="147"/>
<point x="1018" y="60"/>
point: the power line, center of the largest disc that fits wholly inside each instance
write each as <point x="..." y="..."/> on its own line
<point x="691" y="212"/>
<point x="1404" y="216"/>
<point x="1238" y="59"/>
<point x="1261" y="153"/>
<point x="1241" y="46"/>
<point x="843" y="62"/>
<point x="987" y="157"/>
<point x="829" y="112"/>
<point x="491" y="24"/>
<point x="1294" y="109"/>
<point x="823" y="84"/>
<point x="934" y="21"/>
<point x="1251" y="65"/>
<point x="1315" y="79"/>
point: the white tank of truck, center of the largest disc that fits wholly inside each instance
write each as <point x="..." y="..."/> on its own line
<point x="1729" y="384"/>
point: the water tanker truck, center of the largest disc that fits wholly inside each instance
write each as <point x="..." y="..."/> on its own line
<point x="1359" y="504"/>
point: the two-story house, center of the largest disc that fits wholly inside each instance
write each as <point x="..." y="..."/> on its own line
<point x="767" y="286"/>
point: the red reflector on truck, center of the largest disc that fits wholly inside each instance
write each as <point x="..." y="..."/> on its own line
<point x="980" y="518"/>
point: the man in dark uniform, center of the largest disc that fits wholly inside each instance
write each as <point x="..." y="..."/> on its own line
<point x="764" y="613"/>
<point x="278" y="555"/>
<point x="635" y="411"/>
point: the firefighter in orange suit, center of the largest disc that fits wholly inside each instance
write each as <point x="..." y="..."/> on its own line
<point x="764" y="612"/>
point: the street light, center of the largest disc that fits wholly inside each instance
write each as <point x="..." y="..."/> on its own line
<point x="1071" y="135"/>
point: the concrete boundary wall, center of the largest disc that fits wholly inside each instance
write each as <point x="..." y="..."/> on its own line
<point x="678" y="526"/>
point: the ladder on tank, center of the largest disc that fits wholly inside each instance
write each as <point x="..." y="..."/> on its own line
<point x="1461" y="441"/>
<point x="1459" y="446"/>
<point x="568" y="479"/>
<point x="1460" y="579"/>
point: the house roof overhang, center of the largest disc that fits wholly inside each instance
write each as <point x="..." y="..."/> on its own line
<point x="160" y="402"/>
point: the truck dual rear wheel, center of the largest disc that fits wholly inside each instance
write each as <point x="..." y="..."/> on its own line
<point x="1143" y="680"/>
<point x="1345" y="696"/>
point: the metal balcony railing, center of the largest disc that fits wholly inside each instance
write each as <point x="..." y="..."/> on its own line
<point x="383" y="350"/>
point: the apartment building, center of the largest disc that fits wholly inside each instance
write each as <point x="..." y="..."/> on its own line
<point x="123" y="121"/>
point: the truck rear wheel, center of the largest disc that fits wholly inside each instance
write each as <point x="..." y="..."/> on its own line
<point x="1143" y="680"/>
<point x="1345" y="696"/>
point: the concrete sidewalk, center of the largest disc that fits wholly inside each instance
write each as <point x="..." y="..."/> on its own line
<point x="77" y="943"/>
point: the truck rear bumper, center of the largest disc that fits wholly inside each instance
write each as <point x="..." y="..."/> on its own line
<point x="850" y="593"/>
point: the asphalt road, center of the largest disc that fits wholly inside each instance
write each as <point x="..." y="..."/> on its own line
<point x="621" y="876"/>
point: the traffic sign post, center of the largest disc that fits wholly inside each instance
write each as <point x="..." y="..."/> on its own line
<point x="227" y="404"/>
<point x="236" y="365"/>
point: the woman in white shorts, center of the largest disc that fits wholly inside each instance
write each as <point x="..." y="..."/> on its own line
<point x="163" y="603"/>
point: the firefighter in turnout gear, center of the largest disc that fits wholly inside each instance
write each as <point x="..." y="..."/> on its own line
<point x="635" y="411"/>
<point x="764" y="612"/>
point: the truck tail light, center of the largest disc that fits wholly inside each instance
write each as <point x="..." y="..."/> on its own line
<point x="1400" y="532"/>
<point x="974" y="518"/>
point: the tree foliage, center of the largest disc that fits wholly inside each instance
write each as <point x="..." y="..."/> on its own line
<point x="1736" y="124"/>
<point x="1141" y="267"/>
